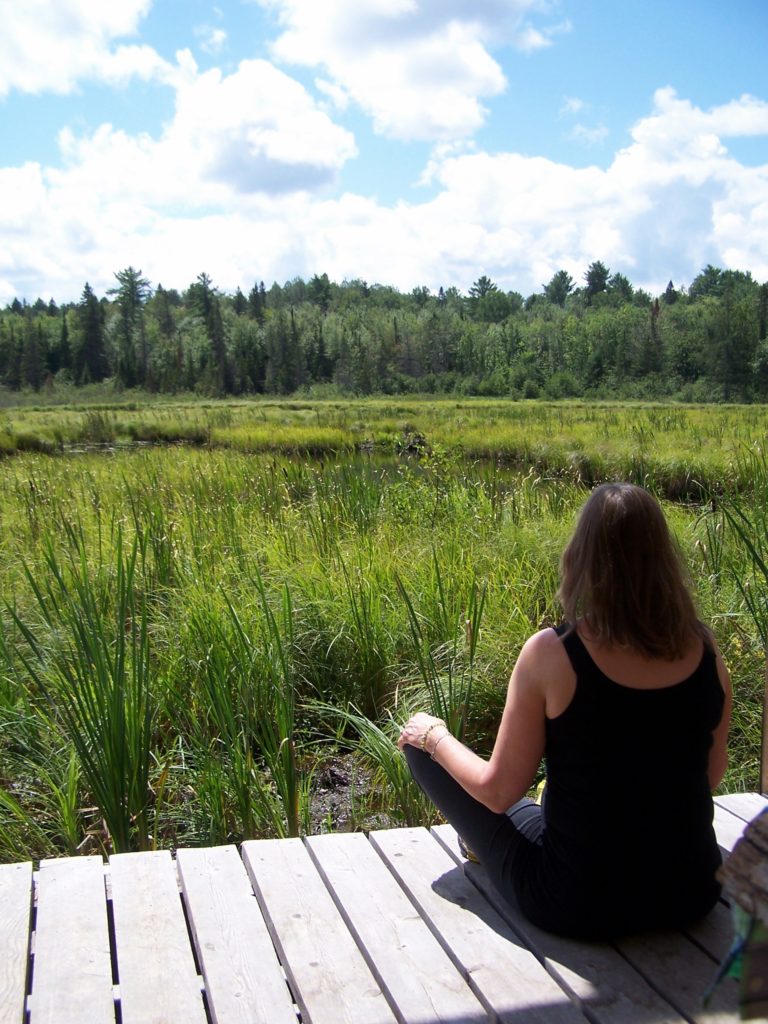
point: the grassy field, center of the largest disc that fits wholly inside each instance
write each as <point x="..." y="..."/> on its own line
<point x="193" y="635"/>
<point x="683" y="450"/>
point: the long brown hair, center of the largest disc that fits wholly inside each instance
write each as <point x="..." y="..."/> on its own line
<point x="623" y="575"/>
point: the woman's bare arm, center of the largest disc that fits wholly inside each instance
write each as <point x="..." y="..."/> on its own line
<point x="718" y="754"/>
<point x="508" y="774"/>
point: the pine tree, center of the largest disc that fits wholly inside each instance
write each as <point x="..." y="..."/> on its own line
<point x="161" y="305"/>
<point x="597" y="280"/>
<point x="132" y="356"/>
<point x="12" y="352"/>
<point x="559" y="288"/>
<point x="90" y="360"/>
<point x="205" y="300"/>
<point x="762" y="313"/>
<point x="32" y="358"/>
<point x="257" y="303"/>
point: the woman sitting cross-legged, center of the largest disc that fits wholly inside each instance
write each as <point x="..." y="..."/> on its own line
<point x="629" y="704"/>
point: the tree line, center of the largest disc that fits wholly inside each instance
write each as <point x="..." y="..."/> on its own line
<point x="602" y="338"/>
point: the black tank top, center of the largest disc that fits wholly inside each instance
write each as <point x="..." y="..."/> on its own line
<point x="628" y="840"/>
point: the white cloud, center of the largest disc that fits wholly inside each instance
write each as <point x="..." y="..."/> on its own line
<point x="668" y="204"/>
<point x="529" y="39"/>
<point x="256" y="130"/>
<point x="590" y="135"/>
<point x="440" y="153"/>
<point x="211" y="39"/>
<point x="210" y="195"/>
<point x="338" y="96"/>
<point x="420" y="70"/>
<point x="698" y="132"/>
<point x="236" y="144"/>
<point x="571" y="105"/>
<point x="586" y="134"/>
<point x="47" y="46"/>
<point x="22" y="189"/>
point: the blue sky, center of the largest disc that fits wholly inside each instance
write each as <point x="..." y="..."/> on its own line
<point x="407" y="142"/>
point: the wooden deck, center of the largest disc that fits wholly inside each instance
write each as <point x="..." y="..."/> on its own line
<point x="343" y="929"/>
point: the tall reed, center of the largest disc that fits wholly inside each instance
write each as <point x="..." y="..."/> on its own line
<point x="247" y="696"/>
<point x="447" y="669"/>
<point x="92" y="663"/>
<point x="748" y="521"/>
<point x="366" y="621"/>
<point x="736" y="548"/>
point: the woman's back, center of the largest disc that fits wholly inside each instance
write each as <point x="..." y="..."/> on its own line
<point x="628" y="837"/>
<point x="631" y="668"/>
<point x="625" y="667"/>
<point x="629" y="707"/>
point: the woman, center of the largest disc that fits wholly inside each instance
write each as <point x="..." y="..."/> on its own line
<point x="629" y="703"/>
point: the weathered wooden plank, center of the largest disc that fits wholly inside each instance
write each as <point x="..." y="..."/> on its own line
<point x="683" y="973"/>
<point x="159" y="983"/>
<point x="744" y="805"/>
<point x="728" y="827"/>
<point x="506" y="976"/>
<point x="72" y="978"/>
<point x="402" y="952"/>
<point x="15" y="907"/>
<point x="714" y="933"/>
<point x="327" y="973"/>
<point x="745" y="872"/>
<point x="596" y="974"/>
<point x="243" y="978"/>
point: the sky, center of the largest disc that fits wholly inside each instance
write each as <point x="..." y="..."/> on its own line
<point x="409" y="143"/>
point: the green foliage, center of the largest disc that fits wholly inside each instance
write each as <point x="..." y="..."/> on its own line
<point x="559" y="288"/>
<point x="596" y="277"/>
<point x="446" y="664"/>
<point x="748" y="520"/>
<point x="91" y="661"/>
<point x="246" y="713"/>
<point x="375" y="744"/>
<point x="190" y="633"/>
<point x="609" y="338"/>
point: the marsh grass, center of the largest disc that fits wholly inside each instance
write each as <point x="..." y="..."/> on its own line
<point x="188" y="633"/>
<point x="99" y="426"/>
<point x="374" y="743"/>
<point x="20" y="831"/>
<point x="91" y="662"/>
<point x="246" y="713"/>
<point x="367" y="636"/>
<point x="446" y="669"/>
<point x="680" y="450"/>
<point x="748" y="521"/>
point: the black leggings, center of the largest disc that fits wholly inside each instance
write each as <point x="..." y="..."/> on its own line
<point x="503" y="843"/>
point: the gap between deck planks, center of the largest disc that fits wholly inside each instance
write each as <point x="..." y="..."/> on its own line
<point x="339" y="927"/>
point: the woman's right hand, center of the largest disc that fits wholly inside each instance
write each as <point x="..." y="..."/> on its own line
<point x="417" y="727"/>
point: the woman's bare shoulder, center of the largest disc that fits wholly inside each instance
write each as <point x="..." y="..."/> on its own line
<point x="543" y="640"/>
<point x="544" y="651"/>
<point x="545" y="667"/>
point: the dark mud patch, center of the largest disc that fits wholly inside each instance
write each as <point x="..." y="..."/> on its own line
<point x="344" y="798"/>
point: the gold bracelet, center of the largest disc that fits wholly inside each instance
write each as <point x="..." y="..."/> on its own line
<point x="439" y="740"/>
<point x="429" y="730"/>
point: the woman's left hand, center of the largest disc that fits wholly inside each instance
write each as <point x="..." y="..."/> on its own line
<point x="414" y="729"/>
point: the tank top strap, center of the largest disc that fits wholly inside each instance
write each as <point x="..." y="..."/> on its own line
<point x="578" y="655"/>
<point x="584" y="664"/>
